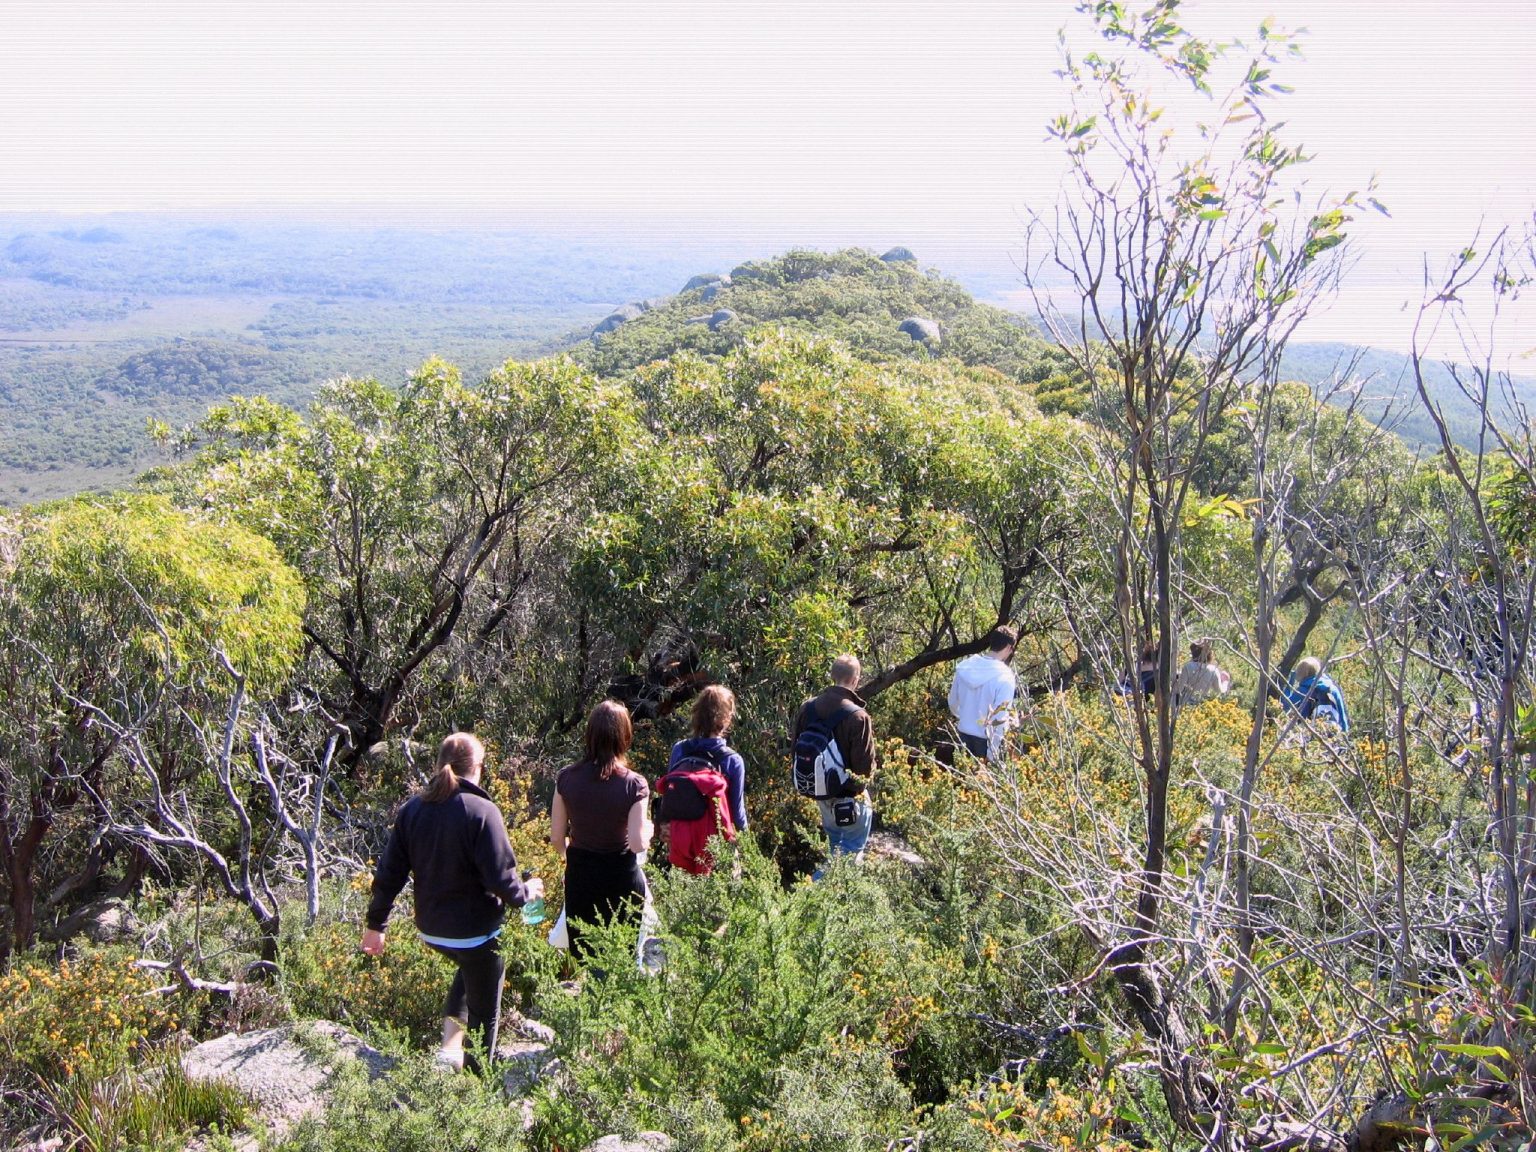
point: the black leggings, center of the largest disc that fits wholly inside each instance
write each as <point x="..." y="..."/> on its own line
<point x="599" y="888"/>
<point x="474" y="997"/>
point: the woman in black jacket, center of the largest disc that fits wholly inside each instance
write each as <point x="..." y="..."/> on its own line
<point x="453" y="840"/>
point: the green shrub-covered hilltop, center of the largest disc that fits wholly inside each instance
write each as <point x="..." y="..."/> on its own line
<point x="852" y="296"/>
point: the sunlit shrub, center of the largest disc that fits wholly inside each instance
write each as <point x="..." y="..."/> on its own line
<point x="90" y="1012"/>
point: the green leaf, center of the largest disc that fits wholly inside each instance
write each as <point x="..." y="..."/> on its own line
<point x="1482" y="1051"/>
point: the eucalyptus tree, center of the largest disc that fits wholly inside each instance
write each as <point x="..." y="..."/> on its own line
<point x="121" y="617"/>
<point x="1473" y="619"/>
<point x="418" y="517"/>
<point x="1174" y="268"/>
<point x="794" y="501"/>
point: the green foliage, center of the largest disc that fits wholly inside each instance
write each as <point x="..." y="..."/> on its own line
<point x="851" y="296"/>
<point x="415" y="1108"/>
<point x="150" y="1107"/>
<point x="775" y="1008"/>
<point x="146" y="585"/>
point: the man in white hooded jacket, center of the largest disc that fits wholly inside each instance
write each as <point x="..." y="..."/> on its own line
<point x="981" y="698"/>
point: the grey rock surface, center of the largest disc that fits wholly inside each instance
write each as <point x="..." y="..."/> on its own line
<point x="525" y="1063"/>
<point x="720" y="318"/>
<point x="899" y="255"/>
<point x="617" y="317"/>
<point x="921" y="329"/>
<point x="104" y="922"/>
<point x="703" y="279"/>
<point x="285" y="1077"/>
<point x="515" y="1024"/>
<point x="643" y="1142"/>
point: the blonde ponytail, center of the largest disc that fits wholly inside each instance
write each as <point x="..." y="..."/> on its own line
<point x="458" y="756"/>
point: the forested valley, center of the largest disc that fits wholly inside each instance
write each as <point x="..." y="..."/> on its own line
<point x="1149" y="923"/>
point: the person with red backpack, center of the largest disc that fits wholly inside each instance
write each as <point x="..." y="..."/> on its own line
<point x="703" y="791"/>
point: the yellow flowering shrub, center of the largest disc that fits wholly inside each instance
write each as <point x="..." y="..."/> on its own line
<point x="1016" y="1120"/>
<point x="326" y="977"/>
<point x="82" y="1015"/>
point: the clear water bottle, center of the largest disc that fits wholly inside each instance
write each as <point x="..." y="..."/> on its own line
<point x="533" y="911"/>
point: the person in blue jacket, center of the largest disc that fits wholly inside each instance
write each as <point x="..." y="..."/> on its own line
<point x="1313" y="695"/>
<point x="713" y="712"/>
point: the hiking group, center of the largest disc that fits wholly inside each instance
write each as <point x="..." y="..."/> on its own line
<point x="451" y="838"/>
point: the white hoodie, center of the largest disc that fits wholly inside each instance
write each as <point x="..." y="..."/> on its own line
<point x="982" y="695"/>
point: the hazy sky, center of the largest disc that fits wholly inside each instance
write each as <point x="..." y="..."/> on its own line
<point x="920" y="120"/>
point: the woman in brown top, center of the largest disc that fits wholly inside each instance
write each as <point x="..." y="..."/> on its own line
<point x="598" y="823"/>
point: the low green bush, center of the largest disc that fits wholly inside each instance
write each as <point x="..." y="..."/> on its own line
<point x="415" y="1108"/>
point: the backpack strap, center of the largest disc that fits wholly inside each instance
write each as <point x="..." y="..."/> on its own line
<point x="830" y="724"/>
<point x="714" y="757"/>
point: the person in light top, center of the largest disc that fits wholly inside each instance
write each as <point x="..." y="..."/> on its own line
<point x="981" y="697"/>
<point x="1199" y="679"/>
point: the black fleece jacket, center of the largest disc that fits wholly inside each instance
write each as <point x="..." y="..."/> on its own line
<point x="465" y="872"/>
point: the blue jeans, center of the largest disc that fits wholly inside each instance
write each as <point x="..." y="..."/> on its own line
<point x="847" y="839"/>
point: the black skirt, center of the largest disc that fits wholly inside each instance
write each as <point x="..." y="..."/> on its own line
<point x="601" y="887"/>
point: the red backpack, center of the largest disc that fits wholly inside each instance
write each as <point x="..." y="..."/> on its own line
<point x="690" y="800"/>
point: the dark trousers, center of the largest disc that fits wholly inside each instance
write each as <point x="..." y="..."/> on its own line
<point x="975" y="745"/>
<point x="474" y="997"/>
<point x="600" y="887"/>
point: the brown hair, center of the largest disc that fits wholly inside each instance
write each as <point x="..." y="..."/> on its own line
<point x="1003" y="636"/>
<point x="609" y="735"/>
<point x="713" y="711"/>
<point x="1200" y="651"/>
<point x="458" y="756"/>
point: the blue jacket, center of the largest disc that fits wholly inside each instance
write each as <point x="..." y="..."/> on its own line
<point x="1296" y="692"/>
<point x="731" y="765"/>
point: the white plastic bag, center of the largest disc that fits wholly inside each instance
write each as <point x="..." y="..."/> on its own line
<point x="559" y="935"/>
<point x="649" y="952"/>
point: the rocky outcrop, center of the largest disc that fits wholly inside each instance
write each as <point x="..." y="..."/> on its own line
<point x="921" y="329"/>
<point x="705" y="280"/>
<point x="720" y="318"/>
<point x="104" y="922"/>
<point x="643" y="1142"/>
<point x="617" y="317"/>
<point x="899" y="255"/>
<point x="889" y="846"/>
<point x="284" y="1073"/>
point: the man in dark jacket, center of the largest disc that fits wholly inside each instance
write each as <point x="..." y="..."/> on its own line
<point x="846" y="818"/>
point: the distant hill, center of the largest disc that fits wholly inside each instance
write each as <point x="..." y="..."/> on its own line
<point x="106" y="322"/>
<point x="1384" y="383"/>
<point x="198" y="369"/>
<point x="883" y="307"/>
